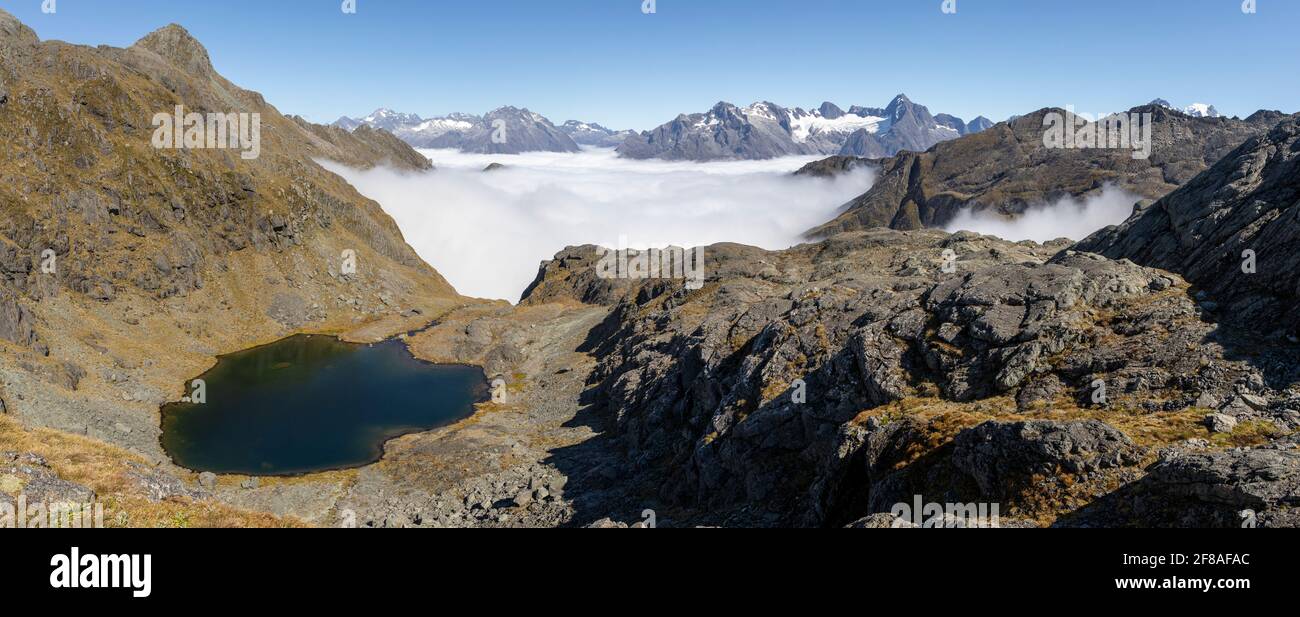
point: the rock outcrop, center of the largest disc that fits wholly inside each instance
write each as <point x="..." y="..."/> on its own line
<point x="1232" y="230"/>
<point x="16" y="323"/>
<point x="1001" y="458"/>
<point x="1244" y="486"/>
<point x="832" y="166"/>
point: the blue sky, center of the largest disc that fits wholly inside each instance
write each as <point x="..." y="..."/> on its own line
<point x="606" y="61"/>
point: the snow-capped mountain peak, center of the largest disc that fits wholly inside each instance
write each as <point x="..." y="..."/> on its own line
<point x="1195" y="110"/>
<point x="382" y="114"/>
<point x="1201" y="110"/>
<point x="805" y="125"/>
<point x="442" y="125"/>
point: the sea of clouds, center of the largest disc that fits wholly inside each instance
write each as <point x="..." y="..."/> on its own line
<point x="1065" y="218"/>
<point x="486" y="232"/>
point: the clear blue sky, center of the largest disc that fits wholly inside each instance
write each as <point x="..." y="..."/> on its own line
<point x="606" y="61"/>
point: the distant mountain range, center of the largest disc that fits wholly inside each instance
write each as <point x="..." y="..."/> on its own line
<point x="525" y="131"/>
<point x="507" y="130"/>
<point x="766" y="130"/>
<point x="725" y="132"/>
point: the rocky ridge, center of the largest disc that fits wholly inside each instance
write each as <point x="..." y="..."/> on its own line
<point x="1006" y="170"/>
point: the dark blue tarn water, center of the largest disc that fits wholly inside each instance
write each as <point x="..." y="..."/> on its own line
<point x="314" y="403"/>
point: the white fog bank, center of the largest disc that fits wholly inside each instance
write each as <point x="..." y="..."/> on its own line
<point x="486" y="232"/>
<point x="1065" y="218"/>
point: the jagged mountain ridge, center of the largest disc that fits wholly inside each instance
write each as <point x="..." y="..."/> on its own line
<point x="506" y="130"/>
<point x="1007" y="169"/>
<point x="766" y="130"/>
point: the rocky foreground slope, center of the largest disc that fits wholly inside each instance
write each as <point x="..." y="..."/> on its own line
<point x="1007" y="169"/>
<point x="124" y="268"/>
<point x="825" y="384"/>
<point x="979" y="384"/>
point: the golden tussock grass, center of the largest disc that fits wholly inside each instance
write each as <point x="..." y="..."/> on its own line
<point x="102" y="468"/>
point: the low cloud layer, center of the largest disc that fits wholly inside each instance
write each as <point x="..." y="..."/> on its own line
<point x="1066" y="218"/>
<point x="486" y="232"/>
